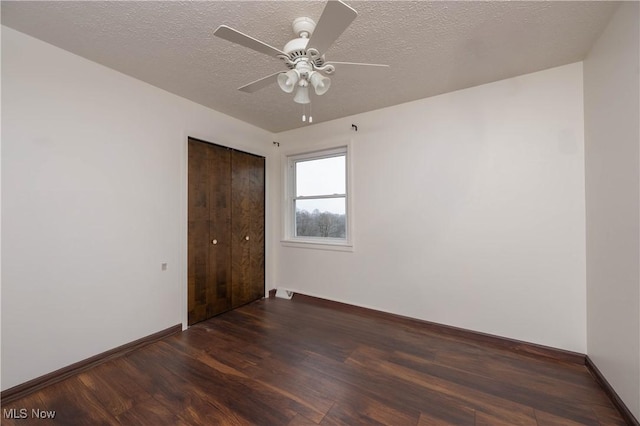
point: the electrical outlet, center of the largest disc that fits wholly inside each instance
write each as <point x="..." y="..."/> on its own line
<point x="164" y="266"/>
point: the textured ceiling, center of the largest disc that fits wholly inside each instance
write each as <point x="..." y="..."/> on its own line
<point x="432" y="47"/>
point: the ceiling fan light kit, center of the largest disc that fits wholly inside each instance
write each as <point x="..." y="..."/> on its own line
<point x="288" y="80"/>
<point x="302" y="95"/>
<point x="319" y="82"/>
<point x="304" y="55"/>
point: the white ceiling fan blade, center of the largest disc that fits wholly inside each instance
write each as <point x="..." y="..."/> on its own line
<point x="254" y="86"/>
<point x="242" y="39"/>
<point x="357" y="64"/>
<point x="335" y="18"/>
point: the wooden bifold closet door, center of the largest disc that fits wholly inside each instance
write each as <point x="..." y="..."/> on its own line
<point x="225" y="229"/>
<point x="247" y="226"/>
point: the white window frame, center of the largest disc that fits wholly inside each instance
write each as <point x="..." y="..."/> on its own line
<point x="289" y="218"/>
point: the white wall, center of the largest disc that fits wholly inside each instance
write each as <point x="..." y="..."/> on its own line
<point x="0" y="209"/>
<point x="612" y="151"/>
<point x="469" y="211"/>
<point x="93" y="201"/>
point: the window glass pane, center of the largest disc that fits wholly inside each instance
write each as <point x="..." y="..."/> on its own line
<point x="325" y="176"/>
<point x="321" y="218"/>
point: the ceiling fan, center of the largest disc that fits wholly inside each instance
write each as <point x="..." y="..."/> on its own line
<point x="304" y="55"/>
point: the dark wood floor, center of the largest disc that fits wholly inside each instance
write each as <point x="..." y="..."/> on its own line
<point x="278" y="362"/>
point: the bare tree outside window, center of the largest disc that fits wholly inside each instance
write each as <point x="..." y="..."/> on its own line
<point x="320" y="224"/>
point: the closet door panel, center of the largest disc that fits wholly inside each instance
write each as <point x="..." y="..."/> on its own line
<point x="209" y="234"/>
<point x="241" y="218"/>
<point x="257" y="229"/>
<point x="247" y="228"/>
<point x="219" y="289"/>
<point x="198" y="231"/>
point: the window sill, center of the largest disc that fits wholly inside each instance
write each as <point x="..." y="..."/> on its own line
<point x="318" y="245"/>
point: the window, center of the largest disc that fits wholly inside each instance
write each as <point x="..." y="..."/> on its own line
<point x="317" y="198"/>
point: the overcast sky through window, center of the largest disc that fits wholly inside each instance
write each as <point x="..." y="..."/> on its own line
<point x="325" y="176"/>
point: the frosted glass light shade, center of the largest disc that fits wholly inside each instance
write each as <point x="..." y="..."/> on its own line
<point x="320" y="83"/>
<point x="287" y="80"/>
<point x="302" y="95"/>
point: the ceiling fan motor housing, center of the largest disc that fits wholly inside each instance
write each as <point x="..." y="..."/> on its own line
<point x="296" y="48"/>
<point x="303" y="27"/>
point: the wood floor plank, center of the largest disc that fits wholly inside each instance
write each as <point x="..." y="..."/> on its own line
<point x="548" y="419"/>
<point x="314" y="408"/>
<point x="495" y="419"/>
<point x="442" y="397"/>
<point x="364" y="411"/>
<point x="279" y="362"/>
<point x="250" y="405"/>
<point x="75" y="404"/>
<point x="479" y="361"/>
<point x="115" y="402"/>
<point x="277" y="399"/>
<point x="526" y="393"/>
<point x="300" y="420"/>
<point x="297" y="382"/>
<point x="150" y="411"/>
<point x="607" y="415"/>
<point x="459" y="417"/>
